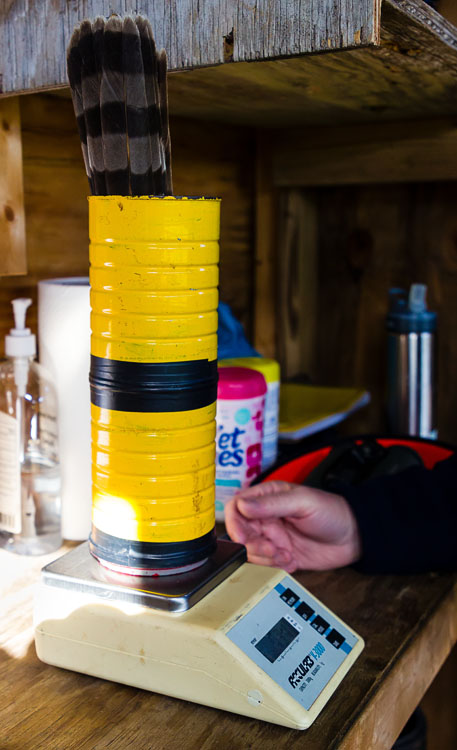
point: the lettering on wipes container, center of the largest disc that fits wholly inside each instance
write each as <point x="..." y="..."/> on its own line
<point x="240" y="419"/>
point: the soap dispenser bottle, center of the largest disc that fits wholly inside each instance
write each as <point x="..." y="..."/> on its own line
<point x="30" y="511"/>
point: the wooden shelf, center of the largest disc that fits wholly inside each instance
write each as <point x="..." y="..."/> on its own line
<point x="194" y="34"/>
<point x="411" y="74"/>
<point x="400" y="63"/>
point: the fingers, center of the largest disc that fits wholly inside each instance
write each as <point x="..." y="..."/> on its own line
<point x="265" y="489"/>
<point x="292" y="526"/>
<point x="261" y="547"/>
<point x="238" y="527"/>
<point x="260" y="538"/>
<point x="257" y="512"/>
<point x="281" y="559"/>
<point x="265" y="540"/>
<point x="279" y="500"/>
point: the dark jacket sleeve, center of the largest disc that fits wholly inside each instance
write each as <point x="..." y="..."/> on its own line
<point x="408" y="522"/>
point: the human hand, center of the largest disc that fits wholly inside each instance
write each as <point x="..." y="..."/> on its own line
<point x="293" y="527"/>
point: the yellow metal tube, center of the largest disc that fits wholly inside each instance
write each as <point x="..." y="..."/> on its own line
<point x="154" y="278"/>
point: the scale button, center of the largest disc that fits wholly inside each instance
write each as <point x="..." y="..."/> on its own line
<point x="289" y="597"/>
<point x="320" y="624"/>
<point x="335" y="638"/>
<point x="304" y="610"/>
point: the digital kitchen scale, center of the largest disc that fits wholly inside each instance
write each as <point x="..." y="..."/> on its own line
<point x="239" y="637"/>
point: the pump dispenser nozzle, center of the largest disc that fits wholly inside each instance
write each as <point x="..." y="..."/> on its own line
<point x="20" y="307"/>
<point x="20" y="342"/>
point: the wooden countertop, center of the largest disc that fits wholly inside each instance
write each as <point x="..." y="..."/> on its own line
<point x="409" y="624"/>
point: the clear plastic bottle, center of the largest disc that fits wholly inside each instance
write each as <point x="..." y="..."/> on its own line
<point x="30" y="510"/>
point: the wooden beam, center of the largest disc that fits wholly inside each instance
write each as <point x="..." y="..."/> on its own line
<point x="194" y="34"/>
<point x="363" y="154"/>
<point x="12" y="218"/>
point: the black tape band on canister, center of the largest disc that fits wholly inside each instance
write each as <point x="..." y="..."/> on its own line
<point x="151" y="386"/>
<point x="150" y="555"/>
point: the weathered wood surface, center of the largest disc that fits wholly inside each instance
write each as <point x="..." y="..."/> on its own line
<point x="266" y="250"/>
<point x="297" y="243"/>
<point x="409" y="624"/>
<point x="357" y="154"/>
<point x="205" y="161"/>
<point x="368" y="239"/>
<point x="372" y="238"/>
<point x="411" y="75"/>
<point x="34" y="33"/>
<point x="12" y="219"/>
<point x="439" y="712"/>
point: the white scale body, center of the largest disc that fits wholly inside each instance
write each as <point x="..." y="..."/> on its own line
<point x="256" y="643"/>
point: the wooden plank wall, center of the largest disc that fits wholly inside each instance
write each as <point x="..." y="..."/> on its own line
<point x="12" y="225"/>
<point x="448" y="8"/>
<point x="297" y="278"/>
<point x="361" y="154"/>
<point x="207" y="159"/>
<point x="372" y="238"/>
<point x="368" y="239"/>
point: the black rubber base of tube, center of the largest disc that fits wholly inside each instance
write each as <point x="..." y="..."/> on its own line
<point x="150" y="555"/>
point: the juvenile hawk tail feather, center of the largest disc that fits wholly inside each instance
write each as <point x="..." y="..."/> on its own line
<point x="119" y="90"/>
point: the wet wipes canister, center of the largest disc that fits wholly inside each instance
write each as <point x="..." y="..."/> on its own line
<point x="271" y="371"/>
<point x="239" y="429"/>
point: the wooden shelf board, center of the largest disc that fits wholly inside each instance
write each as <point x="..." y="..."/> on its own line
<point x="194" y="34"/>
<point x="410" y="74"/>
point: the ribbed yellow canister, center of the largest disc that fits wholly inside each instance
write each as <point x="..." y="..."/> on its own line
<point x="154" y="277"/>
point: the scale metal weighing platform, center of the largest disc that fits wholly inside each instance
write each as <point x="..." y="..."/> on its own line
<point x="232" y="635"/>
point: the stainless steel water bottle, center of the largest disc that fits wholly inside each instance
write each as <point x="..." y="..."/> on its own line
<point x="411" y="372"/>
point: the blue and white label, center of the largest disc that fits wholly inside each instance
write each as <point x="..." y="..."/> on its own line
<point x="271" y="426"/>
<point x="297" y="641"/>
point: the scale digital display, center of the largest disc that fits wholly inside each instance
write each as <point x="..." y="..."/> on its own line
<point x="277" y="639"/>
<point x="297" y="641"/>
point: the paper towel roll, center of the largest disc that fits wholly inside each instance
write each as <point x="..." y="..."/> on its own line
<point x="64" y="349"/>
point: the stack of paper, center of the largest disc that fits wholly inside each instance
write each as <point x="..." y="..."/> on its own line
<point x="306" y="409"/>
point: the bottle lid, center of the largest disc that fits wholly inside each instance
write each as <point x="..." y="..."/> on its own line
<point x="408" y="312"/>
<point x="239" y="382"/>
<point x="20" y="342"/>
<point x="268" y="367"/>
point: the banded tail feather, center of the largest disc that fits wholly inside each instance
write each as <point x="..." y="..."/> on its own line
<point x="139" y="144"/>
<point x="119" y="89"/>
<point x="112" y="110"/>
<point x="74" y="65"/>
<point x="90" y="87"/>
<point x="164" y="124"/>
<point x="150" y="63"/>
